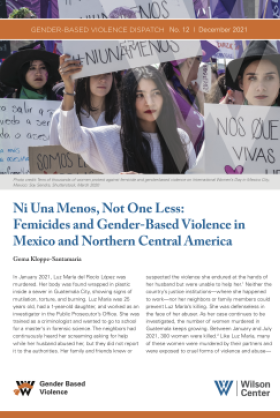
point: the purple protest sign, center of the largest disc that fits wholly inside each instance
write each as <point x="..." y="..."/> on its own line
<point x="270" y="9"/>
<point x="227" y="9"/>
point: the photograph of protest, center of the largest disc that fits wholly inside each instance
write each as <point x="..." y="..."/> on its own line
<point x="139" y="153"/>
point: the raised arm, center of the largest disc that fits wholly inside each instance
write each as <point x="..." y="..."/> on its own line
<point x="66" y="69"/>
<point x="70" y="132"/>
<point x="72" y="136"/>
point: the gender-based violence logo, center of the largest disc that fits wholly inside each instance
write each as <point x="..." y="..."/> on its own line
<point x="24" y="387"/>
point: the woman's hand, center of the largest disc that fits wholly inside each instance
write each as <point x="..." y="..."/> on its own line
<point x="196" y="90"/>
<point x="228" y="99"/>
<point x="68" y="68"/>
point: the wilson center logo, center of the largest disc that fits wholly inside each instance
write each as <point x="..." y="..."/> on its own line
<point x="223" y="386"/>
<point x="24" y="387"/>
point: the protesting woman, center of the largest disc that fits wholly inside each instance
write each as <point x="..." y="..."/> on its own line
<point x="97" y="104"/>
<point x="256" y="74"/>
<point x="220" y="93"/>
<point x="147" y="140"/>
<point x="179" y="74"/>
<point x="32" y="71"/>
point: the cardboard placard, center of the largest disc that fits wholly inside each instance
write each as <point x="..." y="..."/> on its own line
<point x="136" y="9"/>
<point x="242" y="139"/>
<point x="23" y="124"/>
<point x="204" y="77"/>
<point x="54" y="159"/>
<point x="99" y="57"/>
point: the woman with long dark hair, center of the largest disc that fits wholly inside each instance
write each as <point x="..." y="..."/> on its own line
<point x="147" y="141"/>
<point x="32" y="71"/>
<point x="96" y="104"/>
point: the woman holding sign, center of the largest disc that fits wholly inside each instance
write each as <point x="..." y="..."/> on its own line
<point x="97" y="104"/>
<point x="147" y="141"/>
<point x="32" y="71"/>
<point x="256" y="74"/>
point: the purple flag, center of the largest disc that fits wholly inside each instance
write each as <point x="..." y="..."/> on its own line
<point x="49" y="44"/>
<point x="44" y="5"/>
<point x="209" y="48"/>
<point x="272" y="11"/>
<point x="43" y="8"/>
<point x="227" y="9"/>
<point x="40" y="7"/>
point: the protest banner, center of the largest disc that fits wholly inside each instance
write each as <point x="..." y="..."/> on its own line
<point x="204" y="78"/>
<point x="132" y="9"/>
<point x="23" y="124"/>
<point x="227" y="50"/>
<point x="99" y="57"/>
<point x="54" y="159"/>
<point x="242" y="139"/>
